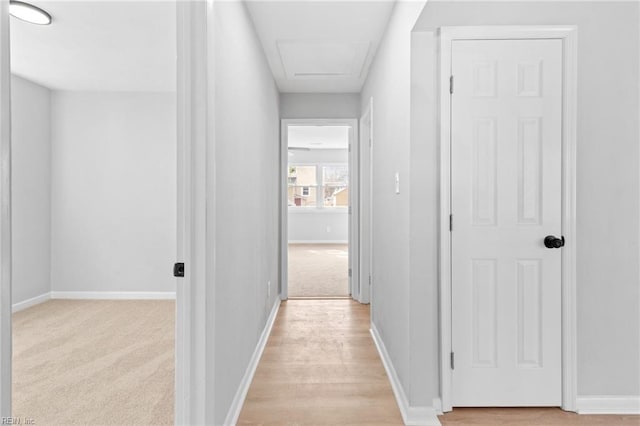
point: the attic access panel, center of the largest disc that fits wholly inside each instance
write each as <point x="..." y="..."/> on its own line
<point x="303" y="59"/>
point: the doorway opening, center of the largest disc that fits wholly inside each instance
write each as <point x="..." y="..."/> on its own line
<point x="93" y="203"/>
<point x="318" y="197"/>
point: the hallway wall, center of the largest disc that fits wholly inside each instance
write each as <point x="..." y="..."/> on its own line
<point x="247" y="206"/>
<point x="30" y="189"/>
<point x="608" y="181"/>
<point x="319" y="105"/>
<point x="393" y="293"/>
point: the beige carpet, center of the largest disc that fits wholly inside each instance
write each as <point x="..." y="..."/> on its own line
<point x="94" y="362"/>
<point x="317" y="270"/>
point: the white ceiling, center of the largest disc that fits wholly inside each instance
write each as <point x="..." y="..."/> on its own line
<point x="99" y="46"/>
<point x="318" y="137"/>
<point x="320" y="46"/>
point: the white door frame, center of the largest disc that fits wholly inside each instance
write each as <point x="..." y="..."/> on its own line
<point x="568" y="35"/>
<point x="353" y="197"/>
<point x="5" y="213"/>
<point x="195" y="293"/>
<point x="366" y="185"/>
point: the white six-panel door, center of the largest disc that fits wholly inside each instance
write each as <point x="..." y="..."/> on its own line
<point x="506" y="193"/>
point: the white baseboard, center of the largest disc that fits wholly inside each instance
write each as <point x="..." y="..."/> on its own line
<point x="114" y="295"/>
<point x="411" y="415"/>
<point x="437" y="405"/>
<point x="30" y="302"/>
<point x="320" y="242"/>
<point x="608" y="404"/>
<point x="94" y="295"/>
<point x="245" y="383"/>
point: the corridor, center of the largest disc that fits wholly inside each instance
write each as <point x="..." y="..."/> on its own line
<point x="320" y="366"/>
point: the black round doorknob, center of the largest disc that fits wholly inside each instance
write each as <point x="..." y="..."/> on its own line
<point x="551" y="241"/>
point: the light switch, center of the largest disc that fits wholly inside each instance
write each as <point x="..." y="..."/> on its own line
<point x="397" y="183"/>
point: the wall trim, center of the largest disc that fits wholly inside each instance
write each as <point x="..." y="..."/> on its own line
<point x="437" y="405"/>
<point x="363" y="208"/>
<point x="319" y="242"/>
<point x="314" y="210"/>
<point x="196" y="213"/>
<point x="5" y="213"/>
<point x="608" y="404"/>
<point x="20" y="306"/>
<point x="245" y="383"/>
<point x="411" y="415"/>
<point x="114" y="295"/>
<point x="93" y="295"/>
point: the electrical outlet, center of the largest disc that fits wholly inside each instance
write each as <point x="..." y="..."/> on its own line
<point x="328" y="229"/>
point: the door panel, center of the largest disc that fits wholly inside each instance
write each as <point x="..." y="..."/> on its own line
<point x="506" y="149"/>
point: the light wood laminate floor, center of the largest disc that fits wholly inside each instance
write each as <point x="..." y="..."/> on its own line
<point x="320" y="366"/>
<point x="530" y="417"/>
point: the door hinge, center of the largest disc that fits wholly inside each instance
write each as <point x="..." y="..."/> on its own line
<point x="349" y="209"/>
<point x="451" y="85"/>
<point x="349" y="147"/>
<point x="370" y="141"/>
<point x="450" y="222"/>
<point x="178" y="270"/>
<point x="350" y="272"/>
<point x="369" y="279"/>
<point x="452" y="361"/>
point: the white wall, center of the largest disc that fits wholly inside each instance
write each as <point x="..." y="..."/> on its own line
<point x="389" y="83"/>
<point x="320" y="105"/>
<point x="318" y="225"/>
<point x="608" y="205"/>
<point x="424" y="223"/>
<point x="113" y="191"/>
<point x="31" y="189"/>
<point x="247" y="205"/>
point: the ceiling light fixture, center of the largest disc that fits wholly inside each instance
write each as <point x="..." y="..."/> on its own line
<point x="29" y="13"/>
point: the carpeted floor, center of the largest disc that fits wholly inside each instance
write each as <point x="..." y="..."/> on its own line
<point x="94" y="362"/>
<point x="317" y="270"/>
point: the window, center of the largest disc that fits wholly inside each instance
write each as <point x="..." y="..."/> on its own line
<point x="302" y="182"/>
<point x="335" y="184"/>
<point x="318" y="185"/>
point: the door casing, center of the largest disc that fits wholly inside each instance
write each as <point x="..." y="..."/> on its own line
<point x="5" y="214"/>
<point x="366" y="208"/>
<point x="195" y="292"/>
<point x="568" y="35"/>
<point x="354" y="218"/>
